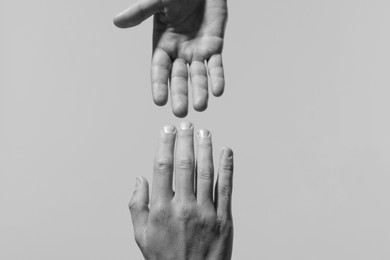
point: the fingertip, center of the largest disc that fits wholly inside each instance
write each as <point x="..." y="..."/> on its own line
<point x="138" y="182"/>
<point x="204" y="138"/>
<point x="169" y="129"/>
<point x="227" y="153"/>
<point x="200" y="105"/>
<point x="180" y="111"/>
<point x="141" y="182"/>
<point x="160" y="101"/>
<point x="184" y="125"/>
<point x="218" y="87"/>
<point x="141" y="179"/>
<point x="120" y="21"/>
<point x="180" y="114"/>
<point x="160" y="94"/>
<point x="167" y="136"/>
<point x="204" y="133"/>
<point x="137" y="13"/>
<point x="115" y="20"/>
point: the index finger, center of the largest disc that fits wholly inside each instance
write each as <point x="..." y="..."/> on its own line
<point x="163" y="165"/>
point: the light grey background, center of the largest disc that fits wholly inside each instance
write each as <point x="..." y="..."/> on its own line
<point x="306" y="110"/>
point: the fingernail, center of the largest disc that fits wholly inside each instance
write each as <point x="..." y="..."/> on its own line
<point x="204" y="133"/>
<point x="169" y="129"/>
<point x="186" y="125"/>
<point x="228" y="153"/>
<point x="138" y="181"/>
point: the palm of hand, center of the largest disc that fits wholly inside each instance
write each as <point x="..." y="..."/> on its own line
<point x="185" y="33"/>
<point x="194" y="31"/>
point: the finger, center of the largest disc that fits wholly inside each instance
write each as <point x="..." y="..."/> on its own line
<point x="139" y="209"/>
<point x="217" y="77"/>
<point x="204" y="168"/>
<point x="137" y="13"/>
<point x="179" y="88"/>
<point x="199" y="85"/>
<point x="160" y="70"/>
<point x="184" y="161"/>
<point x="163" y="165"/>
<point x="223" y="190"/>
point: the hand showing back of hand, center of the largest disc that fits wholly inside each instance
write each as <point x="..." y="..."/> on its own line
<point x="187" y="223"/>
<point x="187" y="42"/>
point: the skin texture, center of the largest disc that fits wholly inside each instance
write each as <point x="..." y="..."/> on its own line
<point x="187" y="45"/>
<point x="187" y="223"/>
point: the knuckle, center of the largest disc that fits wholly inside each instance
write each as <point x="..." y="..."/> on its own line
<point x="163" y="164"/>
<point x="225" y="190"/>
<point x="225" y="225"/>
<point x="208" y="220"/>
<point x="205" y="174"/>
<point x="132" y="205"/>
<point x="226" y="173"/>
<point x="160" y="213"/>
<point x="227" y="168"/>
<point x="185" y="212"/>
<point x="185" y="163"/>
<point x="135" y="206"/>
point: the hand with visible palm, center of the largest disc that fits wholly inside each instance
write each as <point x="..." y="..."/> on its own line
<point x="187" y="42"/>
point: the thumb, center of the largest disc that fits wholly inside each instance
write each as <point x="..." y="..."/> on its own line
<point x="139" y="209"/>
<point x="137" y="13"/>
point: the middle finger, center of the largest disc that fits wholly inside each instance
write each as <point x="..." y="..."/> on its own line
<point x="184" y="161"/>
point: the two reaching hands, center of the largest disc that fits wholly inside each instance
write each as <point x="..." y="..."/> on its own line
<point x="187" y="42"/>
<point x="188" y="222"/>
<point x="194" y="221"/>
